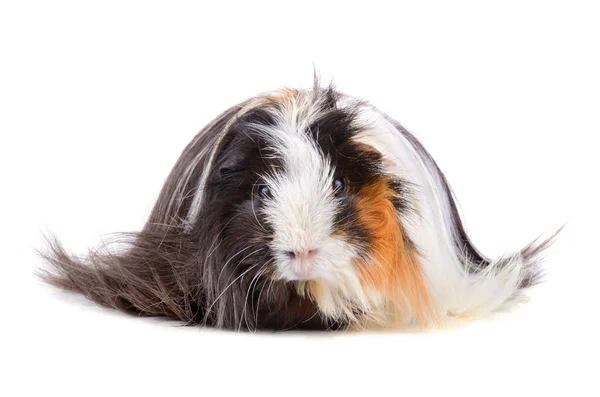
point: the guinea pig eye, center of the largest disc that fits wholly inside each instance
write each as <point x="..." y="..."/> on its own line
<point x="263" y="191"/>
<point x="339" y="185"/>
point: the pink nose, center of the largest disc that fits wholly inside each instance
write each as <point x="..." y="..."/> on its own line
<point x="302" y="255"/>
<point x="303" y="262"/>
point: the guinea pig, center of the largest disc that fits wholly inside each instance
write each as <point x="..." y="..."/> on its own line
<point x="301" y="209"/>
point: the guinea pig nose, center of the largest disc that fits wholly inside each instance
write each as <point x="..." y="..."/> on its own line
<point x="301" y="255"/>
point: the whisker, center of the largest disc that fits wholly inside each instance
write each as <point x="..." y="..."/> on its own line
<point x="236" y="254"/>
<point x="212" y="250"/>
<point x="256" y="277"/>
<point x="229" y="286"/>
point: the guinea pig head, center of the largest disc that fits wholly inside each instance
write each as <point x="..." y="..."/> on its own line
<point x="303" y="205"/>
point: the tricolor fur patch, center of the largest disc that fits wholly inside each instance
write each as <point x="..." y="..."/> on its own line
<point x="301" y="209"/>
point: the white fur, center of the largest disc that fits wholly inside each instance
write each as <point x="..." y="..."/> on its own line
<point x="302" y="211"/>
<point x="456" y="291"/>
<point x="303" y="204"/>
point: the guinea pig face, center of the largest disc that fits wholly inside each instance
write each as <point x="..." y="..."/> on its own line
<point x="307" y="204"/>
<point x="303" y="206"/>
<point x="296" y="182"/>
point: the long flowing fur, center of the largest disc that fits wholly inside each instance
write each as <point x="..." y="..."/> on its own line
<point x="165" y="275"/>
<point x="203" y="256"/>
<point x="146" y="274"/>
<point x="464" y="281"/>
<point x="482" y="285"/>
<point x="179" y="265"/>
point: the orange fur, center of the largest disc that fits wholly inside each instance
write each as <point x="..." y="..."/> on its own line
<point x="285" y="97"/>
<point x="281" y="98"/>
<point x="394" y="269"/>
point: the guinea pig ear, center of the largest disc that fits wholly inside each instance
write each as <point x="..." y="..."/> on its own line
<point x="230" y="165"/>
<point x="229" y="159"/>
<point x="239" y="143"/>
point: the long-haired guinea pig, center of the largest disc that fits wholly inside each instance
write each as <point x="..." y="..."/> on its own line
<point x="301" y="209"/>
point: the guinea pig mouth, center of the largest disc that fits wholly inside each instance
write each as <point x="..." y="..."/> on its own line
<point x="304" y="263"/>
<point x="301" y="269"/>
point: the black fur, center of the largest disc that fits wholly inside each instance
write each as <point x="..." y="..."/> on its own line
<point x="215" y="271"/>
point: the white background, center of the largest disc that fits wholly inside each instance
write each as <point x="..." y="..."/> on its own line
<point x="97" y="102"/>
